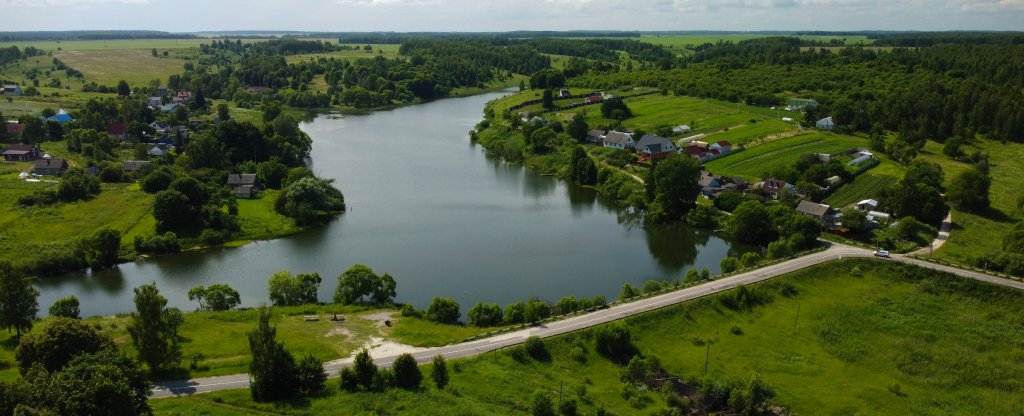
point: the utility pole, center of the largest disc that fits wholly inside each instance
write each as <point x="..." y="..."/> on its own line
<point x="707" y="356"/>
<point x="797" y="319"/>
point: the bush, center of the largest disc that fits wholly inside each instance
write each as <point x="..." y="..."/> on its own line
<point x="729" y="264"/>
<point x="440" y="373"/>
<point x="407" y="372"/>
<point x="484" y="315"/>
<point x="535" y="348"/>
<point x="67" y="307"/>
<point x="567" y="407"/>
<point x="410" y="311"/>
<point x="349" y="380"/>
<point x="443" y="310"/>
<point x="613" y="341"/>
<point x="158" y="244"/>
<point x="542" y="405"/>
<point x="515" y="313"/>
<point x="537" y="310"/>
<point x="310" y="376"/>
<point x="364" y="369"/>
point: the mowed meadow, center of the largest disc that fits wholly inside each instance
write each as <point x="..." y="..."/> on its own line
<point x="843" y="338"/>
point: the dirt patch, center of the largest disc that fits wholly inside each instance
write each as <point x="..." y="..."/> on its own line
<point x="339" y="331"/>
<point x="380" y="317"/>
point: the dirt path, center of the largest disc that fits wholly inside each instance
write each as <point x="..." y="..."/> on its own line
<point x="940" y="239"/>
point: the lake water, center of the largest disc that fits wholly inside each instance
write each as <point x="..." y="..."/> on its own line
<point x="431" y="209"/>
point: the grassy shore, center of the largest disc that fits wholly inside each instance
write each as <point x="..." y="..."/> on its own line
<point x="847" y="337"/>
<point x="221" y="336"/>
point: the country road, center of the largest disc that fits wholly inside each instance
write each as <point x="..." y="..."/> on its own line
<point x="467" y="349"/>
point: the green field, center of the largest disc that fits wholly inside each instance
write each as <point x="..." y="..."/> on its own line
<point x="887" y="339"/>
<point x="682" y="43"/>
<point x="756" y="161"/>
<point x="865" y="186"/>
<point x="389" y="51"/>
<point x="260" y="220"/>
<point x="975" y="235"/>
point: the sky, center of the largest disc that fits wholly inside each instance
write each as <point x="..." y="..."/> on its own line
<point x="489" y="16"/>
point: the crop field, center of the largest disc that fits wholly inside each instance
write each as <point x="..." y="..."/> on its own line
<point x="80" y="45"/>
<point x="107" y="67"/>
<point x="756" y="161"/>
<point x="865" y="186"/>
<point x="891" y="338"/>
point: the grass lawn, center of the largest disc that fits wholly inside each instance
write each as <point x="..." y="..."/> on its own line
<point x="260" y="220"/>
<point x="27" y="230"/>
<point x="894" y="339"/>
<point x="221" y="336"/>
<point x="865" y="186"/>
<point x="758" y="160"/>
<point x="108" y="66"/>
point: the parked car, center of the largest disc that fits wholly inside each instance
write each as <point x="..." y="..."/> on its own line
<point x="882" y="253"/>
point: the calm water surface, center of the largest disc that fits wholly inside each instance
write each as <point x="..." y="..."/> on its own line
<point x="428" y="207"/>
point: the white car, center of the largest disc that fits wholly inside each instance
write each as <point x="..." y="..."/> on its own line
<point x="882" y="253"/>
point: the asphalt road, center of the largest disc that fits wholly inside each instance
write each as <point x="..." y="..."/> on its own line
<point x="467" y="349"/>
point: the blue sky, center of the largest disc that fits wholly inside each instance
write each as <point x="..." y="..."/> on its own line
<point x="486" y="15"/>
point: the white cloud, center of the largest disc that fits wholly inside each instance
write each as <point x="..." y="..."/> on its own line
<point x="66" y="3"/>
<point x="391" y="2"/>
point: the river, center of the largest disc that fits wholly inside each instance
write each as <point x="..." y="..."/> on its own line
<point x="431" y="209"/>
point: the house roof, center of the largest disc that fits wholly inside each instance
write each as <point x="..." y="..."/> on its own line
<point x="61" y="117"/>
<point x="618" y="137"/>
<point x="871" y="202"/>
<point x="596" y="133"/>
<point x="115" y="129"/>
<point x="707" y="179"/>
<point x="170" y="107"/>
<point x="654" y="144"/>
<point x="808" y="207"/>
<point x="22" y="148"/>
<point x="241" y="179"/>
<point x="54" y="163"/>
<point x="774" y="184"/>
<point x="724" y="143"/>
<point x="157" y="151"/>
<point x="826" y="120"/>
<point x="681" y="128"/>
<point x="134" y="165"/>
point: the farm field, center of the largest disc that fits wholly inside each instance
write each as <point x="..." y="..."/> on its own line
<point x="756" y="161"/>
<point x="389" y="51"/>
<point x="681" y="43"/>
<point x="894" y="339"/>
<point x="867" y="185"/>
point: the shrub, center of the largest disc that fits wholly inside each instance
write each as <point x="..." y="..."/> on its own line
<point x="310" y="376"/>
<point x="411" y="311"/>
<point x="535" y="348"/>
<point x="407" y="372"/>
<point x="613" y="341"/>
<point x="443" y="310"/>
<point x="349" y="380"/>
<point x="542" y="405"/>
<point x="484" y="315"/>
<point x="440" y="373"/>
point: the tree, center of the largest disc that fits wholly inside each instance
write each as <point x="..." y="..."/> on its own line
<point x="60" y="340"/>
<point x="194" y="190"/>
<point x="542" y="139"/>
<point x="359" y="284"/>
<point x="485" y="314"/>
<point x="272" y="370"/>
<point x="311" y="201"/>
<point x="77" y="185"/>
<point x="536" y="310"/>
<point x="173" y="211"/>
<point x="855" y="220"/>
<point x="440" y="373"/>
<point x="65" y="307"/>
<point x="286" y="290"/>
<point x="969" y="191"/>
<point x="542" y="404"/>
<point x="18" y="300"/>
<point x="615" y="108"/>
<point x="676" y="184"/>
<point x="157" y="180"/>
<point x="728" y="264"/>
<point x="104" y="248"/>
<point x="123" y="90"/>
<point x="578" y="128"/>
<point x="365" y="369"/>
<point x="515" y="313"/>
<point x="222" y="112"/>
<point x="310" y="376"/>
<point x="272" y="173"/>
<point x="407" y="372"/>
<point x="581" y="168"/>
<point x="750" y="223"/>
<point x="154" y="328"/>
<point x="548" y="99"/>
<point x="613" y="341"/>
<point x="101" y="383"/>
<point x="34" y="131"/>
<point x="443" y="310"/>
<point x="217" y="297"/>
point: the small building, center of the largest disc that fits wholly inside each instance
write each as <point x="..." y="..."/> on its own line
<point x="723" y="147"/>
<point x="773" y="187"/>
<point x="170" y="108"/>
<point x="794" y="104"/>
<point x="878" y="216"/>
<point x="683" y="129"/>
<point x="132" y="166"/>
<point x="156" y="151"/>
<point x="182" y="97"/>
<point x="820" y="212"/>
<point x="61" y="117"/>
<point x="155" y="102"/>
<point x="50" y="166"/>
<point x="159" y="127"/>
<point x="564" y="93"/>
<point x="117" y="131"/>
<point x="244" y="185"/>
<point x="619" y="140"/>
<point x="825" y="124"/>
<point x="686" y="140"/>
<point x="21" y="153"/>
<point x="867" y="205"/>
<point x="593" y="99"/>
<point x="595" y="136"/>
<point x="12" y="89"/>
<point x="833" y="180"/>
<point x="655" y="147"/>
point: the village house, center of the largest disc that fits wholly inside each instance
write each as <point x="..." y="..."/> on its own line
<point x="12" y="89"/>
<point x="155" y="102"/>
<point x="50" y="166"/>
<point x="156" y="151"/>
<point x="132" y="166"/>
<point x="825" y="124"/>
<point x="61" y="117"/>
<point x="595" y="136"/>
<point x="182" y="97"/>
<point x="683" y="129"/>
<point x="21" y="153"/>
<point x="171" y="107"/>
<point x="619" y="140"/>
<point x="159" y="127"/>
<point x="697" y="149"/>
<point x="794" y="104"/>
<point x="564" y="93"/>
<point x="867" y="205"/>
<point x="722" y="147"/>
<point x="117" y="131"/>
<point x="244" y="185"/>
<point x="654" y="147"/>
<point x="821" y="212"/>
<point x="593" y="99"/>
<point x="773" y="187"/>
